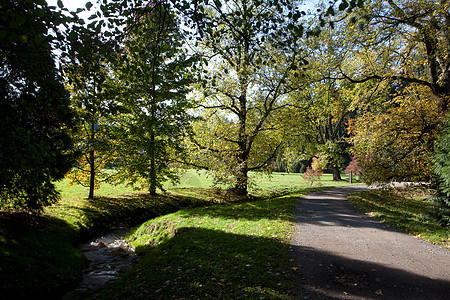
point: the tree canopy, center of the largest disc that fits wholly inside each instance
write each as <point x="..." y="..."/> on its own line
<point x="35" y="144"/>
<point x="154" y="73"/>
<point x="228" y="86"/>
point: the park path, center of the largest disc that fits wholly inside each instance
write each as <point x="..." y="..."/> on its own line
<point x="343" y="254"/>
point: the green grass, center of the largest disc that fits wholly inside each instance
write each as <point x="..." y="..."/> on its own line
<point x="404" y="209"/>
<point x="43" y="249"/>
<point x="228" y="251"/>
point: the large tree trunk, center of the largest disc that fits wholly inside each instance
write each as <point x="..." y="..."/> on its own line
<point x="241" y="185"/>
<point x="336" y="173"/>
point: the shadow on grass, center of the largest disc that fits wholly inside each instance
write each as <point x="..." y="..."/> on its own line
<point x="37" y="256"/>
<point x="277" y="206"/>
<point x="199" y="263"/>
<point x="104" y="213"/>
<point x="403" y="213"/>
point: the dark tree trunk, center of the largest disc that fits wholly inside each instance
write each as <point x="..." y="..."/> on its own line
<point x="241" y="186"/>
<point x="92" y="164"/>
<point x="336" y="173"/>
<point x="92" y="174"/>
<point x="152" y="188"/>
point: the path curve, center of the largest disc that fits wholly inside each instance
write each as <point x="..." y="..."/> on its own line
<point x="343" y="254"/>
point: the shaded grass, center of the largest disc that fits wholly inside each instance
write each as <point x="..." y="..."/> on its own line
<point x="403" y="209"/>
<point x="228" y="251"/>
<point x="37" y="255"/>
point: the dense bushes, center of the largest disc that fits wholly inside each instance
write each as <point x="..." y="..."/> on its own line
<point x="442" y="171"/>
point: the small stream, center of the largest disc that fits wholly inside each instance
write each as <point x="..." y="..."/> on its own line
<point x="108" y="256"/>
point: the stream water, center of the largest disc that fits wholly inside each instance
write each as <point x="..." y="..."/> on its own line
<point x="108" y="256"/>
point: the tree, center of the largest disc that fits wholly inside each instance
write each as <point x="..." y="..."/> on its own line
<point x="35" y="144"/>
<point x="154" y="72"/>
<point x="94" y="98"/>
<point x="397" y="144"/>
<point x="323" y="104"/>
<point x="412" y="34"/>
<point x="252" y="46"/>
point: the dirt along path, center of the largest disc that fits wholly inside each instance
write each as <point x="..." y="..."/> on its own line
<point x="343" y="254"/>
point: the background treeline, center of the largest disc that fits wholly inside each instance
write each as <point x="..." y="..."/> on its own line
<point x="152" y="87"/>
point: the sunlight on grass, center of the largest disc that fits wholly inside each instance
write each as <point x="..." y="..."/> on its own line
<point x="224" y="251"/>
<point x="404" y="211"/>
<point x="240" y="246"/>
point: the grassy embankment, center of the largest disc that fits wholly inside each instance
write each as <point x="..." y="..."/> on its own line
<point x="406" y="209"/>
<point x="228" y="251"/>
<point x="37" y="253"/>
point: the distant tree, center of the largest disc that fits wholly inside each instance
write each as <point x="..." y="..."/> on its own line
<point x="353" y="167"/>
<point x="155" y="73"/>
<point x="94" y="97"/>
<point x="252" y="46"/>
<point x="323" y="103"/>
<point x="35" y="144"/>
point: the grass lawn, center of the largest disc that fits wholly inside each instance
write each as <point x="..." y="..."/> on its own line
<point x="228" y="251"/>
<point x="38" y="254"/>
<point x="405" y="209"/>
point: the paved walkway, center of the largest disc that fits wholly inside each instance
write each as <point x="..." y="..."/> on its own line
<point x="343" y="254"/>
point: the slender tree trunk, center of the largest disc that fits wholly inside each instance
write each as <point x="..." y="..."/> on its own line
<point x="152" y="188"/>
<point x="336" y="173"/>
<point x="92" y="164"/>
<point x="241" y="184"/>
<point x="152" y="153"/>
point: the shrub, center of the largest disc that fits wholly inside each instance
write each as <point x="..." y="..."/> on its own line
<point x="442" y="171"/>
<point x="311" y="176"/>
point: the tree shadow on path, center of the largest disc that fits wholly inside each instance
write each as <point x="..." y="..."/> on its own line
<point x="329" y="208"/>
<point x="323" y="275"/>
<point x="343" y="254"/>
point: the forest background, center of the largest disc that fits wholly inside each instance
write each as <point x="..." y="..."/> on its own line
<point x="149" y="88"/>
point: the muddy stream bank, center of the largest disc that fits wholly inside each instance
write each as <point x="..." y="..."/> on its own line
<point x="108" y="257"/>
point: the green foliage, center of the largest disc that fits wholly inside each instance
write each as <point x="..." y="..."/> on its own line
<point x="154" y="73"/>
<point x="35" y="145"/>
<point x="94" y="97"/>
<point x="331" y="154"/>
<point x="404" y="209"/>
<point x="441" y="159"/>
